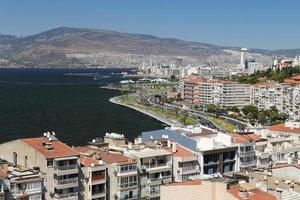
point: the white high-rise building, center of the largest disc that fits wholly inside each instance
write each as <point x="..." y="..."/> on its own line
<point x="243" y="55"/>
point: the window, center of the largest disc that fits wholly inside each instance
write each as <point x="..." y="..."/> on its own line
<point x="15" y="158"/>
<point x="154" y="189"/>
<point x="128" y="194"/>
<point x="127" y="181"/>
<point x="50" y="162"/>
<point x="126" y="168"/>
<point x="26" y="161"/>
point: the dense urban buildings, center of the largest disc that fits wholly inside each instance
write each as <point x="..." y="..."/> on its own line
<point x="161" y="164"/>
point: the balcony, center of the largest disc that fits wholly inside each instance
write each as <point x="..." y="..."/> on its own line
<point x="66" y="183"/>
<point x="150" y="194"/>
<point x="118" y="172"/>
<point x="157" y="167"/>
<point x="98" y="194"/>
<point x="20" y="192"/>
<point x="67" y="196"/>
<point x="156" y="181"/>
<point x="128" y="185"/>
<point x="66" y="169"/>
<point x="247" y="153"/>
<point x="188" y="169"/>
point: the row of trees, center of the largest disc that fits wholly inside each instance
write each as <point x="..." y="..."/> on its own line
<point x="270" y="74"/>
<point x="250" y="112"/>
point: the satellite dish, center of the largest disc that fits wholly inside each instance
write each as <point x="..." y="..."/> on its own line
<point x="93" y="141"/>
<point x="100" y="162"/>
<point x="53" y="133"/>
<point x="45" y="134"/>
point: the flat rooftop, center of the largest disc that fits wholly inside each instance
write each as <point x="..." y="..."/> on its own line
<point x="146" y="153"/>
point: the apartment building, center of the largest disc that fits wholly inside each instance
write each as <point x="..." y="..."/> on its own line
<point x="246" y="142"/>
<point x="57" y="162"/>
<point x="267" y="95"/>
<point x="228" y="94"/>
<point x="291" y="101"/>
<point x="185" y="162"/>
<point x="288" y="129"/>
<point x="2" y="178"/>
<point x="276" y="150"/>
<point x="196" y="190"/>
<point x="155" y="169"/>
<point x="92" y="177"/>
<point x="198" y="90"/>
<point x="213" y="189"/>
<point x="22" y="182"/>
<point x="215" y="151"/>
<point x="189" y="88"/>
<point x="122" y="177"/>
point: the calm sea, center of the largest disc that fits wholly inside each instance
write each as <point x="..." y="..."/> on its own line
<point x="35" y="100"/>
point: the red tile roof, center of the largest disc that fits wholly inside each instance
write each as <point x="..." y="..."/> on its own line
<point x="2" y="174"/>
<point x="88" y="161"/>
<point x="254" y="194"/>
<point x="266" y="84"/>
<point x="244" y="138"/>
<point x="283" y="128"/>
<point x="181" y="151"/>
<point x="192" y="182"/>
<point x="293" y="80"/>
<point x="59" y="149"/>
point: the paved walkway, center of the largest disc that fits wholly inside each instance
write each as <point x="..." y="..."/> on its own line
<point x="115" y="100"/>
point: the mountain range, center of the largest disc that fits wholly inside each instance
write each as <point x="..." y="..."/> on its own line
<point x="80" y="47"/>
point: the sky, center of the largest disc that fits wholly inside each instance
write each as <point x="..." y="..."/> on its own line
<point x="266" y="24"/>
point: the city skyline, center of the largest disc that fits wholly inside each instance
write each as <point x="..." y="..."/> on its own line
<point x="266" y="25"/>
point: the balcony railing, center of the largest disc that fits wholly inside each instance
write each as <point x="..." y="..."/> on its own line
<point x="98" y="177"/>
<point x="247" y="153"/>
<point x="128" y="185"/>
<point x="98" y="192"/>
<point x="189" y="168"/>
<point x="67" y="195"/>
<point x="66" y="167"/>
<point x="66" y="181"/>
<point x="26" y="191"/>
<point x="148" y="166"/>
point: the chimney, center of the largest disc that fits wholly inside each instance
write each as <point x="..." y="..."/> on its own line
<point x="169" y="143"/>
<point x="4" y="165"/>
<point x="129" y="145"/>
<point x="174" y="147"/>
<point x="244" y="194"/>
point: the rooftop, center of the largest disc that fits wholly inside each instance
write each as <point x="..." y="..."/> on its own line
<point x="88" y="161"/>
<point x="146" y="153"/>
<point x="181" y="151"/>
<point x="185" y="183"/>
<point x="284" y="128"/>
<point x="273" y="181"/>
<point x="58" y="149"/>
<point x="244" y="138"/>
<point x="267" y="84"/>
<point x="254" y="194"/>
<point x="106" y="156"/>
<point x="293" y="80"/>
<point x="2" y="174"/>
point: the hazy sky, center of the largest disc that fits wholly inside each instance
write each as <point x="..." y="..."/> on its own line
<point x="269" y="24"/>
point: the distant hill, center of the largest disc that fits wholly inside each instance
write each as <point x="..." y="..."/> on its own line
<point x="84" y="47"/>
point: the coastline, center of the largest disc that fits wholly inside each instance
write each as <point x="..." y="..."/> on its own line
<point x="114" y="100"/>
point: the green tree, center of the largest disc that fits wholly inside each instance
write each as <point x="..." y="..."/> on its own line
<point x="212" y="108"/>
<point x="250" y="111"/>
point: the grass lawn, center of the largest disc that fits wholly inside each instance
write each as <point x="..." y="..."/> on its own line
<point x="130" y="100"/>
<point x="222" y="123"/>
